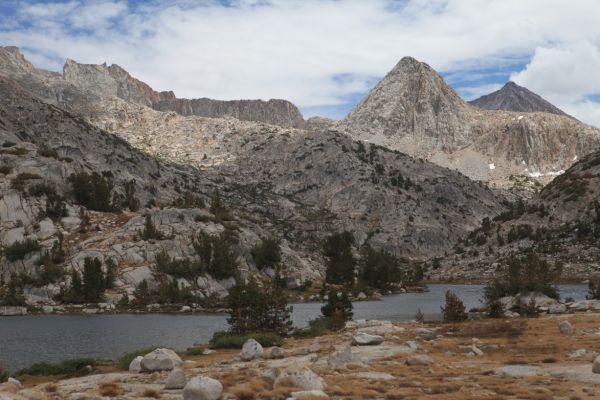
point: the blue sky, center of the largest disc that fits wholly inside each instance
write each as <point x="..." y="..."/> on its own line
<point x="323" y="55"/>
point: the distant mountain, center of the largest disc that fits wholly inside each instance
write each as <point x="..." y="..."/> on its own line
<point x="81" y="86"/>
<point x="513" y="97"/>
<point x="413" y="110"/>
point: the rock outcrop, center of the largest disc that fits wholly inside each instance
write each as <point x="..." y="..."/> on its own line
<point x="274" y="111"/>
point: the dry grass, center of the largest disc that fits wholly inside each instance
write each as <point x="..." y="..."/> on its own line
<point x="151" y="393"/>
<point x="51" y="388"/>
<point x="110" y="389"/>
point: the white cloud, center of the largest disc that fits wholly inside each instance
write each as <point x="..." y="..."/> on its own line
<point x="294" y="49"/>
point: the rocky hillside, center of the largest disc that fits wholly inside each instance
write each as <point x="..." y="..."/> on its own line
<point x="42" y="147"/>
<point x="512" y="97"/>
<point x="83" y="87"/>
<point x="561" y="223"/>
<point x="413" y="110"/>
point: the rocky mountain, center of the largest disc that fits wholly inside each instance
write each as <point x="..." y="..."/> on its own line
<point x="82" y="88"/>
<point x="413" y="110"/>
<point x="512" y="97"/>
<point x="561" y="224"/>
<point x="295" y="185"/>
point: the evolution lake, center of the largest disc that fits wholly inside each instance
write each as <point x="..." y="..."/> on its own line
<point x="30" y="339"/>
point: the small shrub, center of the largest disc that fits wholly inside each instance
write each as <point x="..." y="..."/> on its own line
<point x="150" y="231"/>
<point x="8" y="143"/>
<point x="70" y="366"/>
<point x="228" y="340"/>
<point x="454" y="309"/>
<point x="266" y="254"/>
<point x="21" y="179"/>
<point x="19" y="249"/>
<point x="5" y="169"/>
<point x="195" y="351"/>
<point x="109" y="389"/>
<point x="151" y="393"/>
<point x="594" y="288"/>
<point x="419" y="316"/>
<point x="338" y="308"/>
<point x="46" y="151"/>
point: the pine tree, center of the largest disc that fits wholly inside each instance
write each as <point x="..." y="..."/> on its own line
<point x="93" y="280"/>
<point x="454" y="309"/>
<point x="142" y="293"/>
<point x="111" y="274"/>
<point x="266" y="254"/>
<point x="338" y="308"/>
<point x="341" y="262"/>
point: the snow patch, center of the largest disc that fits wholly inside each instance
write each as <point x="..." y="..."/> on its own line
<point x="520" y="117"/>
<point x="575" y="158"/>
<point x="492" y="166"/>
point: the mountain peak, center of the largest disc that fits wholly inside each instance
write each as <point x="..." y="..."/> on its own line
<point x="412" y="101"/>
<point x="512" y="97"/>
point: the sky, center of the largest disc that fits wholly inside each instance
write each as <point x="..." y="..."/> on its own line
<point x="323" y="55"/>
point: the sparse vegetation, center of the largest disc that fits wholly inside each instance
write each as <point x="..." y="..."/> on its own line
<point x="21" y="248"/>
<point x="93" y="191"/>
<point x="229" y="340"/>
<point x="255" y="309"/>
<point x="266" y="254"/>
<point x="65" y="367"/>
<point x="340" y="261"/>
<point x="454" y="309"/>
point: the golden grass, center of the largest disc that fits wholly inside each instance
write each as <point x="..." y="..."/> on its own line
<point x="151" y="393"/>
<point x="110" y="389"/>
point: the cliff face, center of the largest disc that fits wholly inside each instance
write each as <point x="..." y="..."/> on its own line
<point x="274" y="112"/>
<point x="83" y="88"/>
<point x="513" y="97"/>
<point x="413" y="110"/>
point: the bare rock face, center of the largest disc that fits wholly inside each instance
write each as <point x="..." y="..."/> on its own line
<point x="412" y="102"/>
<point x="274" y="112"/>
<point x="513" y="97"/>
<point x="84" y="88"/>
<point x="413" y="110"/>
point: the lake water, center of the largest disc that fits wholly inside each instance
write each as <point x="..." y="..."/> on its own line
<point x="30" y="339"/>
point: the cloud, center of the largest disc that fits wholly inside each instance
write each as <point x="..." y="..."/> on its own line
<point x="320" y="54"/>
<point x="566" y="75"/>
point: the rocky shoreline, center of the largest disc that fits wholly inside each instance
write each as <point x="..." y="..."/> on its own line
<point x="555" y="355"/>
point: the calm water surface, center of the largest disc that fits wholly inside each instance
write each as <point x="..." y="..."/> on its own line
<point x="29" y="339"/>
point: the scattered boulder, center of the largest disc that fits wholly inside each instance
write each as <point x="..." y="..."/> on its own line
<point x="275" y="353"/>
<point x="15" y="382"/>
<point x="11" y="311"/>
<point x="476" y="350"/>
<point x="565" y="328"/>
<point x="364" y="339"/>
<point x="419" y="360"/>
<point x="251" y="350"/>
<point x="176" y="379"/>
<point x="202" y="388"/>
<point x="302" y="377"/>
<point x="596" y="365"/>
<point x="308" y="394"/>
<point x="160" y="360"/>
<point x="342" y="356"/>
<point x="135" y="365"/>
<point x="557" y="309"/>
<point x="578" y="353"/>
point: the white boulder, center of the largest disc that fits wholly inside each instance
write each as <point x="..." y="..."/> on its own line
<point x="175" y="380"/>
<point x="160" y="360"/>
<point x="302" y="377"/>
<point x="202" y="388"/>
<point x="364" y="339"/>
<point x="251" y="350"/>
